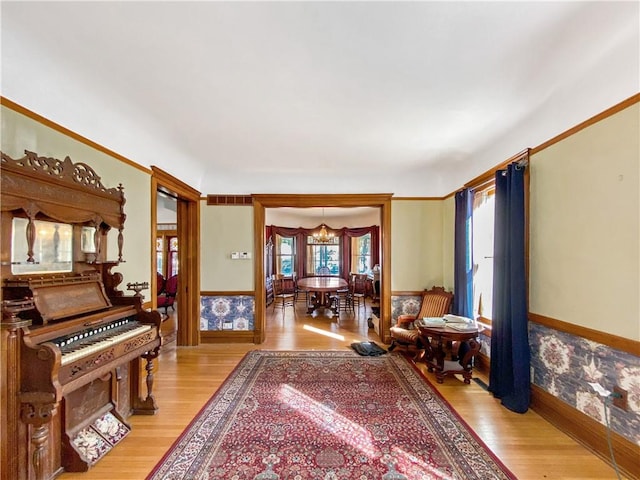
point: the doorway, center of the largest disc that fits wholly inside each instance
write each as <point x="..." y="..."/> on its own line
<point x="167" y="263"/>
<point x="262" y="201"/>
<point x="187" y="259"/>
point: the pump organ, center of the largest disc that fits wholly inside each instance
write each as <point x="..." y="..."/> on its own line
<point x="77" y="353"/>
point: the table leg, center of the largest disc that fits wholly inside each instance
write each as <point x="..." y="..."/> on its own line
<point x="312" y="302"/>
<point x="440" y="354"/>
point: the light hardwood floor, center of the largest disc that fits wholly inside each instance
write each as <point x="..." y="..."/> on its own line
<point x="186" y="378"/>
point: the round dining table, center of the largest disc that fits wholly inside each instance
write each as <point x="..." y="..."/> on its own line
<point x="322" y="287"/>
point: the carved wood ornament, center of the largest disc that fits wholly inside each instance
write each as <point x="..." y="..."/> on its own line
<point x="61" y="190"/>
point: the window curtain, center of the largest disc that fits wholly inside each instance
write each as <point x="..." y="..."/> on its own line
<point x="345" y="253"/>
<point x="268" y="234"/>
<point x="463" y="254"/>
<point x="509" y="379"/>
<point x="300" y="245"/>
<point x="345" y="235"/>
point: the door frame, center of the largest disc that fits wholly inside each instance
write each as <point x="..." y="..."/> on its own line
<point x="188" y="252"/>
<point x="262" y="201"/>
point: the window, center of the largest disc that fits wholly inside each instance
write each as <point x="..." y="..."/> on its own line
<point x="482" y="242"/>
<point x="323" y="258"/>
<point x="160" y="255"/>
<point x="361" y="254"/>
<point x="285" y="255"/>
<point x="167" y="255"/>
<point x="173" y="257"/>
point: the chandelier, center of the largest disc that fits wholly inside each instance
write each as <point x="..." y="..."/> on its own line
<point x="323" y="235"/>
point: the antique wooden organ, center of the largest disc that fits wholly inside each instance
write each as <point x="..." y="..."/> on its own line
<point x="77" y="354"/>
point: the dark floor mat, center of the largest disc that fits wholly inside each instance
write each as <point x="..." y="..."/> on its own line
<point x="368" y="349"/>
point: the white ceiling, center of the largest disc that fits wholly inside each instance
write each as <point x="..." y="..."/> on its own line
<point x="410" y="98"/>
<point x="166" y="209"/>
<point x="327" y="212"/>
<point x="333" y="217"/>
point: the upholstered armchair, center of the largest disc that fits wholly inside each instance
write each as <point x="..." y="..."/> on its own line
<point x="436" y="302"/>
<point x="160" y="283"/>
<point x="168" y="296"/>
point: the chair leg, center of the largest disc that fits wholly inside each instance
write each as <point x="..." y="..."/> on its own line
<point x="419" y="356"/>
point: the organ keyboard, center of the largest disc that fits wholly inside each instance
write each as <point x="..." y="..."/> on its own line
<point x="91" y="340"/>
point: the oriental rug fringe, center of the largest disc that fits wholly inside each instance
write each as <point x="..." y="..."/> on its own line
<point x="327" y="415"/>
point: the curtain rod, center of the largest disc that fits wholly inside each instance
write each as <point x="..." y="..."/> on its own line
<point x="487" y="176"/>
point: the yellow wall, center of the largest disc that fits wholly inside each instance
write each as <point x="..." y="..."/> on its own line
<point x="225" y="229"/>
<point x="448" y="241"/>
<point x="416" y="245"/>
<point x="584" y="230"/>
<point x="20" y="133"/>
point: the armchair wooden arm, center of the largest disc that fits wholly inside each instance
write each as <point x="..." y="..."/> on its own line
<point x="405" y="321"/>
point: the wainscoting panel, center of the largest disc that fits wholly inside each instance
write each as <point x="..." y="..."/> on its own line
<point x="563" y="365"/>
<point x="404" y="305"/>
<point x="227" y="312"/>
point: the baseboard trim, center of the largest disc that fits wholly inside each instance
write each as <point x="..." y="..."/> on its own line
<point x="483" y="364"/>
<point x="227" y="337"/>
<point x="587" y="432"/>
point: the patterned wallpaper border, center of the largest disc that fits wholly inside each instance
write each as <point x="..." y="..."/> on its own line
<point x="564" y="365"/>
<point x="227" y="313"/>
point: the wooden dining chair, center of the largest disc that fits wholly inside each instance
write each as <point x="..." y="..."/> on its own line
<point x="341" y="300"/>
<point x="358" y="290"/>
<point x="323" y="271"/>
<point x="299" y="293"/>
<point x="282" y="298"/>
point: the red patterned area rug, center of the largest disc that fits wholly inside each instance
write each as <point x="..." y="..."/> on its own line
<point x="327" y="415"/>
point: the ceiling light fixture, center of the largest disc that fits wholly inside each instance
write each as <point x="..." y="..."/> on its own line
<point x="323" y="235"/>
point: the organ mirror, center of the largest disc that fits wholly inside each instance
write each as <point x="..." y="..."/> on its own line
<point x="57" y="219"/>
<point x="51" y="251"/>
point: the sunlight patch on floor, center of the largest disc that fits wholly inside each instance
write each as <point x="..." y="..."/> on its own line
<point x="410" y="464"/>
<point x="323" y="332"/>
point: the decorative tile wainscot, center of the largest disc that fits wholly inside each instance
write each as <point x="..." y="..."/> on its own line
<point x="227" y="313"/>
<point x="564" y="365"/>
